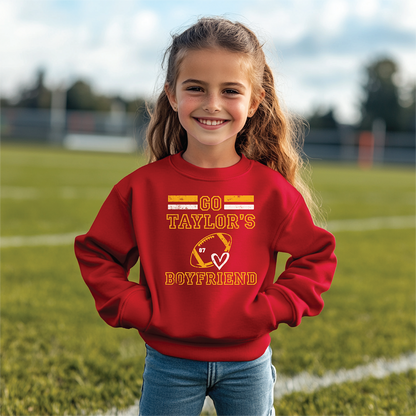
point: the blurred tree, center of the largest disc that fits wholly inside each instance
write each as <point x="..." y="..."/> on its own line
<point x="322" y="120"/>
<point x="102" y="103"/>
<point x="408" y="110"/>
<point x="138" y="107"/>
<point x="36" y="96"/>
<point x="80" y="97"/>
<point x="381" y="96"/>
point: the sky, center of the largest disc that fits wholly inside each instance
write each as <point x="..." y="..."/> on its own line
<point x="318" y="49"/>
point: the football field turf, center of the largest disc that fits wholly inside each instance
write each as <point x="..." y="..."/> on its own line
<point x="60" y="358"/>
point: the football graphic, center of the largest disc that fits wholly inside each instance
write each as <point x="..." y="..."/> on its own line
<point x="212" y="250"/>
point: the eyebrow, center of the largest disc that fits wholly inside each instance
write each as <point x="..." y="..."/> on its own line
<point x="225" y="84"/>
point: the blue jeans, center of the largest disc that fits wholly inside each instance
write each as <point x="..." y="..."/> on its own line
<point x="178" y="387"/>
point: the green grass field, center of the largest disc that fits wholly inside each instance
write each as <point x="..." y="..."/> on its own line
<point x="60" y="358"/>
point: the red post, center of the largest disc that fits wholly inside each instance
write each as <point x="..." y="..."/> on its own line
<point x="365" y="150"/>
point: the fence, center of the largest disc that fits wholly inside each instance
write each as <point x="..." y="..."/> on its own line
<point x="70" y="127"/>
<point x="117" y="131"/>
<point x="347" y="144"/>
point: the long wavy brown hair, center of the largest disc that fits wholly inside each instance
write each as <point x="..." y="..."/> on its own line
<point x="271" y="137"/>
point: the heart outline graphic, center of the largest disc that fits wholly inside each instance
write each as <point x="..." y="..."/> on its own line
<point x="220" y="263"/>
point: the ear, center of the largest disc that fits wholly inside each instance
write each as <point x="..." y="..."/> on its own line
<point x="171" y="98"/>
<point x="255" y="103"/>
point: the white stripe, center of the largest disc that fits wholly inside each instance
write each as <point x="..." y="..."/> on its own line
<point x="306" y="382"/>
<point x="380" y="368"/>
<point x="376" y="223"/>
<point x="182" y="206"/>
<point x="239" y="206"/>
<point x="19" y="192"/>
<point x="38" y="240"/>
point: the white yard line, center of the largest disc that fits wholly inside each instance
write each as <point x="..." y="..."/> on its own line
<point x="380" y="368"/>
<point x="19" y="192"/>
<point x="38" y="240"/>
<point x="65" y="192"/>
<point x="305" y="382"/>
<point x="375" y="223"/>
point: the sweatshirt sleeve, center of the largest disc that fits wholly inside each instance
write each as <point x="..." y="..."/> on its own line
<point x="309" y="270"/>
<point x="105" y="256"/>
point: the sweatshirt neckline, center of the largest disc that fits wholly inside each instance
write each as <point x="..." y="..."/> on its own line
<point x="210" y="174"/>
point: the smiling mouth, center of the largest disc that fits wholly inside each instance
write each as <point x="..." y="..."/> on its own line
<point x="211" y="122"/>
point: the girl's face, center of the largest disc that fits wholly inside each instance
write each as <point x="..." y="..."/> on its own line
<point x="213" y="97"/>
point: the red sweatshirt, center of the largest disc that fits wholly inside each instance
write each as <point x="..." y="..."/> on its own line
<point x="207" y="240"/>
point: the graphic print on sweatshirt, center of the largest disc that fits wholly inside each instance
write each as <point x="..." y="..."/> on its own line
<point x="214" y="250"/>
<point x="211" y="250"/>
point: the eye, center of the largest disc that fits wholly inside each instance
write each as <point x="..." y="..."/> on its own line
<point x="194" y="88"/>
<point x="231" y="91"/>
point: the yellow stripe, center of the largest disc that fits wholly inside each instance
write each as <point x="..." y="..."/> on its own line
<point x="198" y="258"/>
<point x="226" y="243"/>
<point x="238" y="198"/>
<point x="182" y="198"/>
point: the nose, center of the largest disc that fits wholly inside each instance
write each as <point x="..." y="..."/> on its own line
<point x="212" y="103"/>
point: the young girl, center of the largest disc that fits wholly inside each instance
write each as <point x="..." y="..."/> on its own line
<point x="207" y="218"/>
